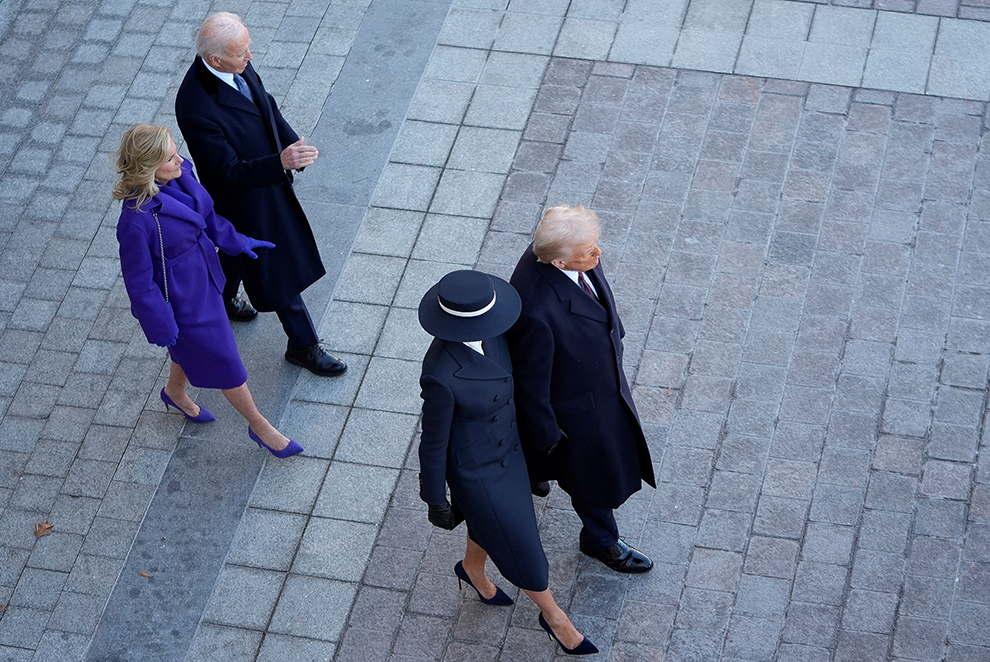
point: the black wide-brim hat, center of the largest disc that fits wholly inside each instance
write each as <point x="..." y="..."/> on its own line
<point x="469" y="305"/>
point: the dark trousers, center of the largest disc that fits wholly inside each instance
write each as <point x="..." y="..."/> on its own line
<point x="295" y="319"/>
<point x="600" y="529"/>
<point x="297" y="323"/>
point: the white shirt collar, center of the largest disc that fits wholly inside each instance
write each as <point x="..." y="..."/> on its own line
<point x="475" y="345"/>
<point x="225" y="76"/>
<point x="573" y="275"/>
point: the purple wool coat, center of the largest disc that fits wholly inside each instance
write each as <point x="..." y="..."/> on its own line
<point x="190" y="232"/>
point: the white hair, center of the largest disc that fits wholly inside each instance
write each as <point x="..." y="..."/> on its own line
<point x="217" y="31"/>
<point x="562" y="229"/>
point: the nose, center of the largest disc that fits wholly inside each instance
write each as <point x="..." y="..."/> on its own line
<point x="249" y="56"/>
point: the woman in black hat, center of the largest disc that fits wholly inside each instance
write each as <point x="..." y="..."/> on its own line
<point x="471" y="443"/>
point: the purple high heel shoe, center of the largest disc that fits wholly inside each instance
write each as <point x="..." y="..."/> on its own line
<point x="292" y="449"/>
<point x="204" y="414"/>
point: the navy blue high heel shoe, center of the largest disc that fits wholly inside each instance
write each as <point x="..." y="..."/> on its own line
<point x="204" y="414"/>
<point x="584" y="648"/>
<point x="500" y="598"/>
<point x="292" y="449"/>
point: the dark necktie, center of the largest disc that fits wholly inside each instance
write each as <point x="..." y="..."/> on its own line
<point x="243" y="88"/>
<point x="583" y="282"/>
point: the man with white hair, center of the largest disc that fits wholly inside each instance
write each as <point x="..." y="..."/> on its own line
<point x="577" y="420"/>
<point x="245" y="154"/>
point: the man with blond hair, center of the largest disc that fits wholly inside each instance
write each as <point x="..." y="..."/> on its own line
<point x="577" y="420"/>
<point x="245" y="154"/>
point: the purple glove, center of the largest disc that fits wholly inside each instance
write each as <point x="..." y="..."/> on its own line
<point x="255" y="243"/>
<point x="169" y="343"/>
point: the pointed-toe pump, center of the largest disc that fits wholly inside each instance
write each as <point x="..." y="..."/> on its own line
<point x="204" y="414"/>
<point x="584" y="648"/>
<point x="292" y="449"/>
<point x="500" y="598"/>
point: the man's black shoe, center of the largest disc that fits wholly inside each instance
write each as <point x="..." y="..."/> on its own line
<point x="620" y="557"/>
<point x="315" y="359"/>
<point x="540" y="489"/>
<point x="239" y="310"/>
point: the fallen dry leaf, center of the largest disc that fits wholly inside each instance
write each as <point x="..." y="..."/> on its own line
<point x="42" y="529"/>
<point x="669" y="392"/>
<point x="143" y="574"/>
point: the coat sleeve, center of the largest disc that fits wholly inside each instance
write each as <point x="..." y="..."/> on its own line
<point x="220" y="231"/>
<point x="438" y="416"/>
<point x="223" y="234"/>
<point x="210" y="150"/>
<point x="138" y="268"/>
<point x="531" y="345"/>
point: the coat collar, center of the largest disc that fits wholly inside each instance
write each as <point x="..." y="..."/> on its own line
<point x="226" y="95"/>
<point x="168" y="205"/>
<point x="580" y="303"/>
<point x="474" y="365"/>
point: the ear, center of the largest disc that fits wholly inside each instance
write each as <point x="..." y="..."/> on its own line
<point x="558" y="263"/>
<point x="213" y="61"/>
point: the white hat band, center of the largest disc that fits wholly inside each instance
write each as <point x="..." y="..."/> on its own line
<point x="467" y="313"/>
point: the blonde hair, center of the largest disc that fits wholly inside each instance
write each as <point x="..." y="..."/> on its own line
<point x="217" y="31"/>
<point x="562" y="229"/>
<point x="143" y="149"/>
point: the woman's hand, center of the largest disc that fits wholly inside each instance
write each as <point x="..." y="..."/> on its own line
<point x="442" y="516"/>
<point x="252" y="243"/>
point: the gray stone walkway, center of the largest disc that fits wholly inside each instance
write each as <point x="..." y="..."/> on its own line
<point x="801" y="267"/>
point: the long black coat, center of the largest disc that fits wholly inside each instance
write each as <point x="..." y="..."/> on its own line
<point x="567" y="359"/>
<point x="471" y="442"/>
<point x="236" y="146"/>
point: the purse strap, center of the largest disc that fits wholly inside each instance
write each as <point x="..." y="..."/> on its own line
<point x="161" y="243"/>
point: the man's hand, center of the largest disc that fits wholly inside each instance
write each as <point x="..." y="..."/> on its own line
<point x="298" y="155"/>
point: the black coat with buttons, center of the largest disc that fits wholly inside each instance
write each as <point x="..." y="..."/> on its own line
<point x="471" y="442"/>
<point x="567" y="358"/>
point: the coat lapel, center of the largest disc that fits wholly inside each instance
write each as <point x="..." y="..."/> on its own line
<point x="253" y="81"/>
<point x="474" y="365"/>
<point x="567" y="291"/>
<point x="226" y="95"/>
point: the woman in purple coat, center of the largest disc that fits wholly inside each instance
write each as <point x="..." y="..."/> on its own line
<point x="168" y="235"/>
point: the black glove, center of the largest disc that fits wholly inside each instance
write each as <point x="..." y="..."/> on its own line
<point x="442" y="516"/>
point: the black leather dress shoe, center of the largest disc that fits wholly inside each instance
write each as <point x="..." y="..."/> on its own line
<point x="540" y="489"/>
<point x="239" y="310"/>
<point x="315" y="359"/>
<point x="620" y="557"/>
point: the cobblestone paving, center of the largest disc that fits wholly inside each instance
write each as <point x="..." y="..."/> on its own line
<point x="802" y="273"/>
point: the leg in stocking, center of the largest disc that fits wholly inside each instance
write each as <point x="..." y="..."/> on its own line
<point x="175" y="389"/>
<point x="556" y="618"/>
<point x="243" y="402"/>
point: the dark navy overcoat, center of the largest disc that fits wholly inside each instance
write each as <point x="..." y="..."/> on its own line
<point x="236" y="146"/>
<point x="567" y="361"/>
<point x="471" y="442"/>
<point x="191" y="231"/>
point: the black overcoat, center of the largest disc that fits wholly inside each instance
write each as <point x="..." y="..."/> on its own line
<point x="567" y="359"/>
<point x="236" y="146"/>
<point x="471" y="442"/>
